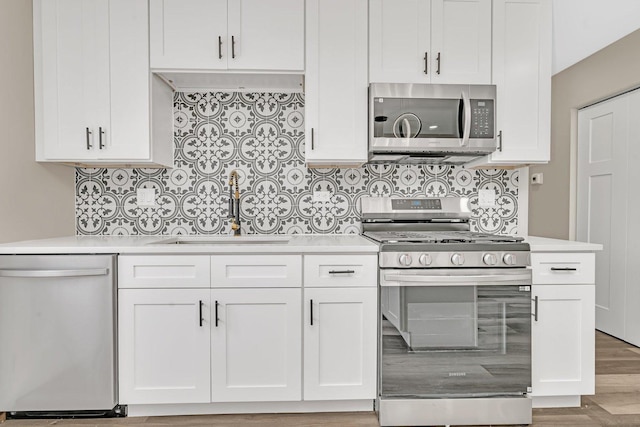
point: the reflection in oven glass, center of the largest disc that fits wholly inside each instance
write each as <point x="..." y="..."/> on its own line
<point x="456" y="341"/>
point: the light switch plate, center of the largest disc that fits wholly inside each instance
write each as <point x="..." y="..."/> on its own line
<point x="321" y="196"/>
<point x="146" y="197"/>
<point x="487" y="198"/>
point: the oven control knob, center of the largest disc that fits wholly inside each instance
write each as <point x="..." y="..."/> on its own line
<point x="457" y="259"/>
<point x="405" y="259"/>
<point x="425" y="259"/>
<point x="509" y="259"/>
<point x="490" y="259"/>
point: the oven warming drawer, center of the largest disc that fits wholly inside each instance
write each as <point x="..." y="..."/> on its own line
<point x="476" y="411"/>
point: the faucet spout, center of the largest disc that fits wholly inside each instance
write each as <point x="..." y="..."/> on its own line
<point x="234" y="202"/>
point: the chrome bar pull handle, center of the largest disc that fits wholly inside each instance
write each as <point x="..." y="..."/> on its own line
<point x="88" y="139"/>
<point x="426" y="63"/>
<point x="200" y="311"/>
<point x="311" y="312"/>
<point x="500" y="141"/>
<point x="216" y="314"/>
<point x="438" y="60"/>
<point x="219" y="47"/>
<point x="535" y="308"/>
<point x="100" y="133"/>
<point x="233" y="47"/>
<point x="342" y="271"/>
<point x="563" y="269"/>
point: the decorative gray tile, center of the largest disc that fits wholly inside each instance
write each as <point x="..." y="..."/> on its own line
<point x="261" y="135"/>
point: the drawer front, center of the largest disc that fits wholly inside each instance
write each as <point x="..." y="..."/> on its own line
<point x="164" y="271"/>
<point x="563" y="268"/>
<point x="340" y="270"/>
<point x="256" y="271"/>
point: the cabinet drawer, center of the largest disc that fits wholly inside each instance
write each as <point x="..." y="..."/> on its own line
<point x="164" y="271"/>
<point x="563" y="268"/>
<point x="340" y="270"/>
<point x="256" y="271"/>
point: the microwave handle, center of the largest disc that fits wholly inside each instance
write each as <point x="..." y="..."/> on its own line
<point x="466" y="110"/>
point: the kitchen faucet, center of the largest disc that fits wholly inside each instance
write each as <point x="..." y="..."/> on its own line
<point x="234" y="202"/>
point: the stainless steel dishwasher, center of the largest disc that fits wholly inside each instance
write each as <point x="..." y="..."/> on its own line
<point x="58" y="335"/>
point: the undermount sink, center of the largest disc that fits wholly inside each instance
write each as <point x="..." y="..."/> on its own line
<point x="225" y="240"/>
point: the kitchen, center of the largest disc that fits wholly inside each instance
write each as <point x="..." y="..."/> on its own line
<point x="190" y="195"/>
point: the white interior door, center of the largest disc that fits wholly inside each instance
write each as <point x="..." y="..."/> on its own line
<point x="602" y="203"/>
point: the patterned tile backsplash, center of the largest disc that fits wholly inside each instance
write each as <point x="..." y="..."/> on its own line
<point x="261" y="135"/>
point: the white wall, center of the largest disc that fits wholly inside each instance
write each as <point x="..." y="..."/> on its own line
<point x="36" y="200"/>
<point x="582" y="27"/>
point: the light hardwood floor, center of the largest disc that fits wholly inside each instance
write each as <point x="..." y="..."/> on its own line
<point x="616" y="403"/>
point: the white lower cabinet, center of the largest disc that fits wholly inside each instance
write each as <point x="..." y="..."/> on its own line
<point x="244" y="335"/>
<point x="164" y="342"/>
<point x="340" y="343"/>
<point x="563" y="340"/>
<point x="256" y="345"/>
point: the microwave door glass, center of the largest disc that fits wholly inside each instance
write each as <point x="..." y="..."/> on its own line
<point x="417" y="118"/>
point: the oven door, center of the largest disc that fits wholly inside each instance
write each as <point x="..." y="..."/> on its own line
<point x="455" y="333"/>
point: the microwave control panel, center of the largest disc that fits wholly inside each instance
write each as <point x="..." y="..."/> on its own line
<point x="482" y="118"/>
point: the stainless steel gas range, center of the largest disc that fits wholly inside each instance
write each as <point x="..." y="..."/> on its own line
<point x="455" y="316"/>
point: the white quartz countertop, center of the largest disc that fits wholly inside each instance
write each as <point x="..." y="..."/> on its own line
<point x="267" y="244"/>
<point x="545" y="244"/>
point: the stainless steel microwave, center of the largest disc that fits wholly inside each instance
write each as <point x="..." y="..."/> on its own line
<point x="428" y="123"/>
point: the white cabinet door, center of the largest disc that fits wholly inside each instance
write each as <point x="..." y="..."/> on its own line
<point x="340" y="343"/>
<point x="336" y="82"/>
<point x="188" y="34"/>
<point x="563" y="340"/>
<point x="400" y="41"/>
<point x="430" y="41"/>
<point x="461" y="41"/>
<point x="92" y="85"/>
<point x="522" y="75"/>
<point x="128" y="135"/>
<point x="256" y="344"/>
<point x="266" y="35"/>
<point x="164" y="346"/>
<point x="71" y="41"/>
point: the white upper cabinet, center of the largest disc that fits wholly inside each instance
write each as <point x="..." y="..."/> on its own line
<point x="206" y="35"/>
<point x="188" y="34"/>
<point x="430" y="41"/>
<point x="522" y="75"/>
<point x="94" y="95"/>
<point x="336" y="83"/>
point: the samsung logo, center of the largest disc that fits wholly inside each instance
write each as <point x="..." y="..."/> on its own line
<point x="457" y="374"/>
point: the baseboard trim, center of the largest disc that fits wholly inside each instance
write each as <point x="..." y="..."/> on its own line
<point x="251" y="408"/>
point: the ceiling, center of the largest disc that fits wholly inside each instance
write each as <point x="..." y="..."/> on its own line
<point x="583" y="27"/>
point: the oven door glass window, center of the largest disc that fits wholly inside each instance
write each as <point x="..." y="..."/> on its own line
<point x="455" y="341"/>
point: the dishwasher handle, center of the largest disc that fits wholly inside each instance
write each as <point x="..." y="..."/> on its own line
<point x="54" y="273"/>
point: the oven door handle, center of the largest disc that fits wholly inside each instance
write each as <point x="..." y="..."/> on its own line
<point x="485" y="279"/>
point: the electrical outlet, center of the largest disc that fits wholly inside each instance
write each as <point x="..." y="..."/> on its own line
<point x="146" y="197"/>
<point x="536" y="178"/>
<point x="321" y="196"/>
<point x="487" y="198"/>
